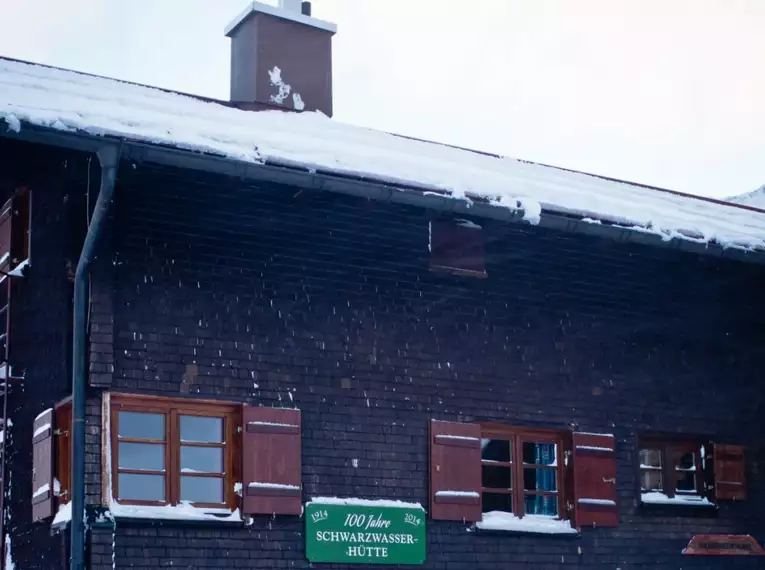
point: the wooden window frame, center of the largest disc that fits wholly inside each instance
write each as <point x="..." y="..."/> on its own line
<point x="517" y="436"/>
<point x="670" y="448"/>
<point x="172" y="409"/>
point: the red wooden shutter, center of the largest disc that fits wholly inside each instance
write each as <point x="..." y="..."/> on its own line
<point x="14" y="230"/>
<point x="3" y="469"/>
<point x="729" y="472"/>
<point x="272" y="468"/>
<point x="457" y="247"/>
<point x="21" y="226"/>
<point x="455" y="471"/>
<point x="595" y="480"/>
<point x="6" y="221"/>
<point x="42" y="466"/>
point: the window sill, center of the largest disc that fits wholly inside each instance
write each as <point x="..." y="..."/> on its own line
<point x="692" y="501"/>
<point x="501" y="522"/>
<point x="63" y="517"/>
<point x="659" y="504"/>
<point x="182" y="512"/>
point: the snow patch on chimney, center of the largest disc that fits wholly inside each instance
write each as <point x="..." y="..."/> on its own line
<point x="285" y="89"/>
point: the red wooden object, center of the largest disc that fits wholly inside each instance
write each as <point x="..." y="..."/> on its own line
<point x="457" y="248"/>
<point x="455" y="471"/>
<point x="723" y="545"/>
<point x="595" y="480"/>
<point x="271" y="461"/>
<point x="729" y="471"/>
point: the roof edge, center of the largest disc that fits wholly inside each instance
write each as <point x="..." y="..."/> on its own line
<point x="294" y="174"/>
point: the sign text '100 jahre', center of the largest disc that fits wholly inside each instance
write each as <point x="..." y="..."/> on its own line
<point x="352" y="533"/>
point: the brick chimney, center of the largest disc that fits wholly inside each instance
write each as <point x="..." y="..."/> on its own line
<point x="281" y="57"/>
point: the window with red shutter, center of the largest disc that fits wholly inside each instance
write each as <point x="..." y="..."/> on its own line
<point x="457" y="246"/>
<point x="594" y="461"/>
<point x="729" y="472"/>
<point x="42" y="465"/>
<point x="272" y="468"/>
<point x="455" y="471"/>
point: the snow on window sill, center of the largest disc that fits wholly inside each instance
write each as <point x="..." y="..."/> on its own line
<point x="656" y="498"/>
<point x="181" y="512"/>
<point x="534" y="524"/>
<point x="63" y="516"/>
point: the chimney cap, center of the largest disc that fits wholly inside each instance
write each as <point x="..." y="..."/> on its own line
<point x="278" y="12"/>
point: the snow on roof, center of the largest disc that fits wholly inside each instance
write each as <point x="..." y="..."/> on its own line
<point x="75" y="102"/>
<point x="755" y="199"/>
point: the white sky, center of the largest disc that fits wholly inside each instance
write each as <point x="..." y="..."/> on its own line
<point x="663" y="92"/>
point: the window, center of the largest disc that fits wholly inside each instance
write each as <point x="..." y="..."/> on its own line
<point x="520" y="472"/>
<point x="672" y="470"/>
<point x="167" y="451"/>
<point x="456" y="246"/>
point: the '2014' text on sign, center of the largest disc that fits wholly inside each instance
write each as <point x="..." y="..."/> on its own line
<point x="365" y="534"/>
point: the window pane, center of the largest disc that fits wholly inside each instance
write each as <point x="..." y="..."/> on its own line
<point x="496" y="477"/>
<point x="650" y="458"/>
<point x="495" y="450"/>
<point x="540" y="479"/>
<point x="686" y="461"/>
<point x="201" y="459"/>
<point x="497" y="502"/>
<point x="141" y="487"/>
<point x="686" y="481"/>
<point x="651" y="481"/>
<point x="194" y="428"/>
<point x="202" y="489"/>
<point x="541" y="505"/>
<point x="539" y="453"/>
<point x="150" y="456"/>
<point x="141" y="425"/>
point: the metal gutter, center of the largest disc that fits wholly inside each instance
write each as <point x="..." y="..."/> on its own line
<point x="109" y="157"/>
<point x="295" y="174"/>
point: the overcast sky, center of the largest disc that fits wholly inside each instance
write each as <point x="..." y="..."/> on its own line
<point x="664" y="92"/>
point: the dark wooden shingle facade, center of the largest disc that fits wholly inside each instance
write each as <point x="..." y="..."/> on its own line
<point x="269" y="299"/>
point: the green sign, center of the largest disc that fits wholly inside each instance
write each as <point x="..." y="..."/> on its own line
<point x="365" y="533"/>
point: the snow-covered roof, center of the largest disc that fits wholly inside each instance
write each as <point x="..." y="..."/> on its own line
<point x="755" y="198"/>
<point x="75" y="102"/>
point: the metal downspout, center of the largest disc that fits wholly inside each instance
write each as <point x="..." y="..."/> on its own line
<point x="109" y="157"/>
